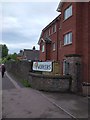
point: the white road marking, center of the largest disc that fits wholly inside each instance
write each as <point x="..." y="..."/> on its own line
<point x="57" y="105"/>
<point x="0" y="104"/>
<point x="13" y="81"/>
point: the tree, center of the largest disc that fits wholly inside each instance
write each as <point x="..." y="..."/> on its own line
<point x="14" y="56"/>
<point x="3" y="50"/>
<point x="0" y="51"/>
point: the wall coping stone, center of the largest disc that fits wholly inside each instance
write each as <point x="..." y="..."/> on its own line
<point x="50" y="76"/>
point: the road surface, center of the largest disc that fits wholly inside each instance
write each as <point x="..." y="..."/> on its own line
<point x="21" y="102"/>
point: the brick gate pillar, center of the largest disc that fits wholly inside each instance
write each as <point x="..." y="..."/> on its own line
<point x="74" y="70"/>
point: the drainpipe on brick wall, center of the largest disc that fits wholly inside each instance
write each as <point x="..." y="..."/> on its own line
<point x="57" y="36"/>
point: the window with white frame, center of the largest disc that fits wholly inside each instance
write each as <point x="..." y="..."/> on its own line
<point x="54" y="46"/>
<point x="46" y="34"/>
<point x="43" y="48"/>
<point x="54" y="28"/>
<point x="68" y="12"/>
<point x="68" y="38"/>
<point x="49" y="32"/>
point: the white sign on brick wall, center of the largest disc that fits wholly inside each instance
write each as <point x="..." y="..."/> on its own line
<point x="42" y="66"/>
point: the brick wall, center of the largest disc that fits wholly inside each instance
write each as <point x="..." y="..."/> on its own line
<point x="89" y="41"/>
<point x="82" y="36"/>
<point x="79" y="24"/>
<point x="50" y="82"/>
<point x="19" y="69"/>
<point x="68" y="25"/>
<point x="22" y="71"/>
<point x="42" y="55"/>
<point x="75" y="70"/>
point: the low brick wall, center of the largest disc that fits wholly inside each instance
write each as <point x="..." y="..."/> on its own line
<point x="50" y="82"/>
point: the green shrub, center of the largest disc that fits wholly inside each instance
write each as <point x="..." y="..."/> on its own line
<point x="26" y="83"/>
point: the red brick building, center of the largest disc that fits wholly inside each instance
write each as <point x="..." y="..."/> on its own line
<point x="48" y="41"/>
<point x="68" y="34"/>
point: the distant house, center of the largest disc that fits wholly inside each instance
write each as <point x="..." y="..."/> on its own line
<point x="28" y="54"/>
<point x="31" y="54"/>
<point x="20" y="55"/>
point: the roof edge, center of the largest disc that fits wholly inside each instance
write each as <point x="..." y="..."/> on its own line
<point x="41" y="39"/>
<point x="60" y="5"/>
<point x="52" y="22"/>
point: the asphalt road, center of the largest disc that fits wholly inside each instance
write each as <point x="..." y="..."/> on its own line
<point x="21" y="102"/>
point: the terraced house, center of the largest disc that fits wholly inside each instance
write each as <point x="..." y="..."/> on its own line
<point x="66" y="40"/>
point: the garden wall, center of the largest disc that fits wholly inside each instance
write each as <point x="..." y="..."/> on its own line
<point x="23" y="70"/>
<point x="50" y="82"/>
<point x="20" y="69"/>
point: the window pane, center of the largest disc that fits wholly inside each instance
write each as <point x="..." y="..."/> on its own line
<point x="49" y="32"/>
<point x="65" y="14"/>
<point x="43" y="48"/>
<point x="68" y="12"/>
<point x="68" y="38"/>
<point x="53" y="46"/>
<point x="52" y="29"/>
<point x="65" y="40"/>
<point x="55" y="28"/>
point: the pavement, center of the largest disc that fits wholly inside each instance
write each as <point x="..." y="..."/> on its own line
<point x="0" y="95"/>
<point x="21" y="102"/>
<point x="75" y="105"/>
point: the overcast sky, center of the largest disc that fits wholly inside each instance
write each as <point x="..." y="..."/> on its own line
<point x="22" y="23"/>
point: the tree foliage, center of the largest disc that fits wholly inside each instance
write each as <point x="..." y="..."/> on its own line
<point x="12" y="56"/>
<point x="3" y="50"/>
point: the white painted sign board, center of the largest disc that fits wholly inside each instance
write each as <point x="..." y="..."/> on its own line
<point x="42" y="66"/>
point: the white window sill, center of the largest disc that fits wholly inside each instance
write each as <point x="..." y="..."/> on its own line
<point x="67" y="18"/>
<point x="67" y="44"/>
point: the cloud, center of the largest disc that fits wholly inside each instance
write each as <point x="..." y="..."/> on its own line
<point x="16" y="47"/>
<point x="20" y="45"/>
<point x="16" y="41"/>
<point x="0" y="17"/>
<point x="10" y="23"/>
<point x="22" y="22"/>
<point x="13" y="37"/>
<point x="30" y="1"/>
